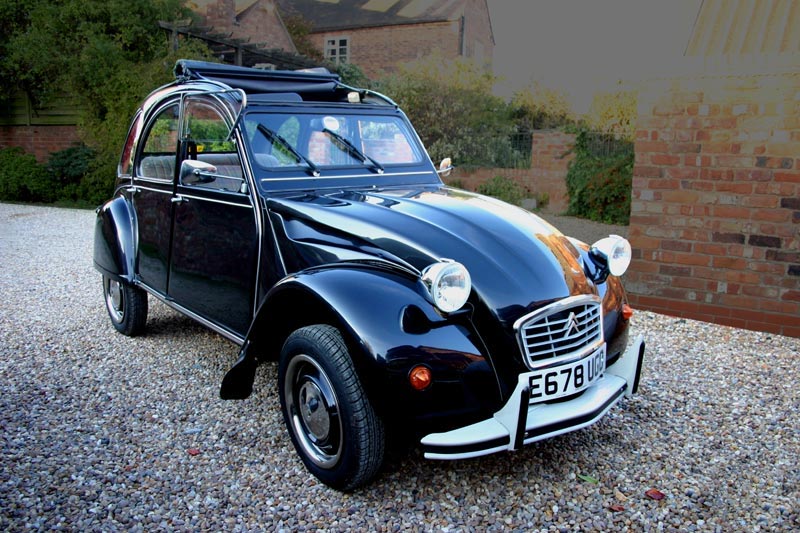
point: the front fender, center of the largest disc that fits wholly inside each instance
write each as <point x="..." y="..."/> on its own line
<point x="389" y="327"/>
<point x="115" y="240"/>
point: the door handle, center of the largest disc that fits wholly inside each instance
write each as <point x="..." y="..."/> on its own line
<point x="132" y="190"/>
<point x="179" y="199"/>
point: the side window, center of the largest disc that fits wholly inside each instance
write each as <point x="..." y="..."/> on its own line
<point x="161" y="145"/>
<point x="206" y="136"/>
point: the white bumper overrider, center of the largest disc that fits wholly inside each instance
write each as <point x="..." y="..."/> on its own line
<point x="519" y="423"/>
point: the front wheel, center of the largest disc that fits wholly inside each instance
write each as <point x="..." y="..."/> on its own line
<point x="333" y="426"/>
<point x="126" y="306"/>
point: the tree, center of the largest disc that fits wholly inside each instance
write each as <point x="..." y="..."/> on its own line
<point x="614" y="112"/>
<point x="538" y="107"/>
<point x="453" y="109"/>
<point x="108" y="54"/>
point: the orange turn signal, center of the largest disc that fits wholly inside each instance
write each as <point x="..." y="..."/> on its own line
<point x="627" y="311"/>
<point x="420" y="377"/>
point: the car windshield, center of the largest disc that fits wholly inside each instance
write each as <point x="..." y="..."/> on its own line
<point x="315" y="143"/>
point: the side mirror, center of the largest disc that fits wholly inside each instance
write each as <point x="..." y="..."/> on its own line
<point x="445" y="167"/>
<point x="194" y="172"/>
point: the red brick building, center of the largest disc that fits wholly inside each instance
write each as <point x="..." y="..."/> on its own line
<point x="715" y="217"/>
<point x="257" y="21"/>
<point x="378" y="35"/>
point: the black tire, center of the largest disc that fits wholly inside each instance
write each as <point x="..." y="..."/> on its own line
<point x="333" y="426"/>
<point x="126" y="306"/>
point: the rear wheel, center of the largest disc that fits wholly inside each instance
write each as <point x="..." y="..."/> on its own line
<point x="126" y="306"/>
<point x="333" y="427"/>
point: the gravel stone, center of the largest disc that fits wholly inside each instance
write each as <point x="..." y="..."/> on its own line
<point x="95" y="428"/>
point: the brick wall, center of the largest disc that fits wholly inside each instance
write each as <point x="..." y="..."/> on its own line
<point x="550" y="158"/>
<point x="715" y="217"/>
<point x="262" y="24"/>
<point x="259" y="23"/>
<point x="40" y="141"/>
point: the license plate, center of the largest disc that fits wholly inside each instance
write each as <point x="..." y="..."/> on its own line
<point x="568" y="379"/>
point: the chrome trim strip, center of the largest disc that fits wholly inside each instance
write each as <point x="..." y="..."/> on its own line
<point x="560" y="305"/>
<point x="258" y="212"/>
<point x="204" y="321"/>
<point x="152" y="180"/>
<point x="162" y="191"/>
<point x="204" y="199"/>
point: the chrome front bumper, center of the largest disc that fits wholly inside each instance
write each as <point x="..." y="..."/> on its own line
<point x="518" y="423"/>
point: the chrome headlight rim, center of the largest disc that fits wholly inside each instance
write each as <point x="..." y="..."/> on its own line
<point x="446" y="297"/>
<point x="615" y="254"/>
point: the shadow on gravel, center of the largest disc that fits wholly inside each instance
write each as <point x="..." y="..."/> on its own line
<point x="588" y="452"/>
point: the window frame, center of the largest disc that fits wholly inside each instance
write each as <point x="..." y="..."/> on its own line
<point x="336" y="48"/>
<point x="212" y="104"/>
<point x="148" y="128"/>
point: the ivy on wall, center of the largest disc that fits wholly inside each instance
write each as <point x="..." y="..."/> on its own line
<point x="599" y="178"/>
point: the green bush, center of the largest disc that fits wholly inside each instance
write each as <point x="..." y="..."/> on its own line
<point x="70" y="165"/>
<point x="454" y="111"/>
<point x="542" y="199"/>
<point x="69" y="169"/>
<point x="67" y="179"/>
<point x="503" y="188"/>
<point x="23" y="179"/>
<point x="599" y="184"/>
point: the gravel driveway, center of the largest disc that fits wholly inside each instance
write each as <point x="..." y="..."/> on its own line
<point x="96" y="428"/>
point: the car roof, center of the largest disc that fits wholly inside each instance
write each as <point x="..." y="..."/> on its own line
<point x="259" y="81"/>
<point x="260" y="85"/>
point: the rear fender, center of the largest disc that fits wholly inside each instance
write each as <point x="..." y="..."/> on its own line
<point x="389" y="327"/>
<point x="115" y="240"/>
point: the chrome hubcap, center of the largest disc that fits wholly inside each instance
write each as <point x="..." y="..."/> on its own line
<point x="114" y="300"/>
<point x="314" y="411"/>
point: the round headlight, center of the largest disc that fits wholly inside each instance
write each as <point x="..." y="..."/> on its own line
<point x="617" y="253"/>
<point x="448" y="283"/>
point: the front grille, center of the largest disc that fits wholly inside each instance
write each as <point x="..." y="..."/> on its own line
<point x="567" y="327"/>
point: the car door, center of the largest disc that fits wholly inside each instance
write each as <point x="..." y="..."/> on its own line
<point x="154" y="182"/>
<point x="215" y="244"/>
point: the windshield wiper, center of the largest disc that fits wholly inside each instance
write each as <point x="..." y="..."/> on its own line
<point x="350" y="147"/>
<point x="272" y="137"/>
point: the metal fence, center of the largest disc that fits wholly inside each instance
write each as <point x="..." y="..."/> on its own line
<point x="496" y="151"/>
<point x="602" y="144"/>
<point x="514" y="151"/>
<point x="522" y="145"/>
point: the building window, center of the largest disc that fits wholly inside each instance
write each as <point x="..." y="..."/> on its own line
<point x="337" y="50"/>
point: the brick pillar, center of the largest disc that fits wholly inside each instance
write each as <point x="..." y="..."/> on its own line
<point x="715" y="217"/>
<point x="550" y="158"/>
